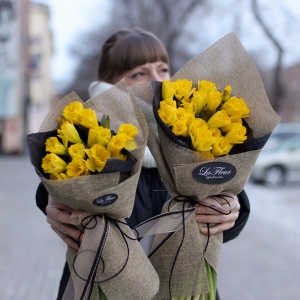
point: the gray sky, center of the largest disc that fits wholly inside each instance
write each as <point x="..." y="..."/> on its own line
<point x="82" y="13"/>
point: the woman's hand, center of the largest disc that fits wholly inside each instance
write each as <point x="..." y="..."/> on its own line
<point x="63" y="223"/>
<point x="219" y="212"/>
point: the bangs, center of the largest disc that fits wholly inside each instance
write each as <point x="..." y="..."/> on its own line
<point x="138" y="50"/>
<point x="128" y="49"/>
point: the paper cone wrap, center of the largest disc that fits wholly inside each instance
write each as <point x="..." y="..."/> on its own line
<point x="114" y="257"/>
<point x="225" y="63"/>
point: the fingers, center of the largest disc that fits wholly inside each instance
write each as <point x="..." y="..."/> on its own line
<point x="66" y="238"/>
<point x="223" y="204"/>
<point x="217" y="218"/>
<point x="59" y="217"/>
<point x="217" y="228"/>
<point x="220" y="212"/>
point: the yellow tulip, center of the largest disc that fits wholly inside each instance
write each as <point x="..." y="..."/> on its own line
<point x="237" y="134"/>
<point x="180" y="113"/>
<point x="221" y="146"/>
<point x="205" y="86"/>
<point x="98" y="155"/>
<point x="89" y="118"/>
<point x="168" y="101"/>
<point x="180" y="128"/>
<point x="116" y="144"/>
<point x="226" y="93"/>
<point x="76" y="150"/>
<point x="92" y="137"/>
<point x="215" y="132"/>
<point x="168" y="89"/>
<point x="184" y="84"/>
<point x="77" y="167"/>
<point x="68" y="133"/>
<point x="214" y="99"/>
<point x="184" y="89"/>
<point x="199" y="101"/>
<point x="234" y="120"/>
<point x="72" y="112"/>
<point x="128" y="130"/>
<point x="197" y="123"/>
<point x="202" y="139"/>
<point x="51" y="163"/>
<point x="185" y="116"/>
<point x="189" y="105"/>
<point x="58" y="176"/>
<point x="99" y="135"/>
<point x="53" y="145"/>
<point x="103" y="135"/>
<point x="167" y="114"/>
<point x="119" y="155"/>
<point x="236" y="107"/>
<point x="219" y="119"/>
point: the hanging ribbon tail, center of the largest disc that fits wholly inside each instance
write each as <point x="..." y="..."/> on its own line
<point x="155" y="231"/>
<point x="110" y="257"/>
<point x="86" y="262"/>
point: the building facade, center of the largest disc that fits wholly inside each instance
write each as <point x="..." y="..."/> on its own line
<point x="25" y="72"/>
<point x="40" y="52"/>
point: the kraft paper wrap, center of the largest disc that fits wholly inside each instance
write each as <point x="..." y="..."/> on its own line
<point x="226" y="63"/>
<point x="137" y="279"/>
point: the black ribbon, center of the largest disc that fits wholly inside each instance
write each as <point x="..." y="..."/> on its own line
<point x="91" y="279"/>
<point x="192" y="201"/>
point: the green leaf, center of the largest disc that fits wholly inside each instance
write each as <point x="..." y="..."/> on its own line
<point x="105" y="121"/>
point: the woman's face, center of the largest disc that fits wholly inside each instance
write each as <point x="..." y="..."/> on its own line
<point x="156" y="71"/>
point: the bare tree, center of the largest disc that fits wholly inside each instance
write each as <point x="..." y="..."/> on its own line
<point x="277" y="83"/>
<point x="165" y="18"/>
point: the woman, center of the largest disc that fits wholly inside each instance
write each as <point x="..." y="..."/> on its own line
<point x="137" y="56"/>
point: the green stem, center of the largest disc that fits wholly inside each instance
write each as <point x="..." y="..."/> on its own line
<point x="99" y="295"/>
<point x="212" y="278"/>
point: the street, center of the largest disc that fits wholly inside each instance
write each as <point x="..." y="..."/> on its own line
<point x="262" y="263"/>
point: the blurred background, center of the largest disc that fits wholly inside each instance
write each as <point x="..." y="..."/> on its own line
<point x="50" y="47"/>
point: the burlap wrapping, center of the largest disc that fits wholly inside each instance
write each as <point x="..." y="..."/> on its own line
<point x="226" y="63"/>
<point x="123" y="261"/>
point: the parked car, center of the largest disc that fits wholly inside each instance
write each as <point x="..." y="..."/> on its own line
<point x="282" y="131"/>
<point x="278" y="163"/>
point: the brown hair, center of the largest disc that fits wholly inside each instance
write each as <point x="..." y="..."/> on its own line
<point x="127" y="49"/>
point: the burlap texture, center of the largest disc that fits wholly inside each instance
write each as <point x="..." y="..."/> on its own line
<point x="137" y="280"/>
<point x="226" y="63"/>
<point x="189" y="269"/>
<point x="121" y="108"/>
<point x="79" y="193"/>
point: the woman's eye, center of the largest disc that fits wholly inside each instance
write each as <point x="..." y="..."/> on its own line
<point x="137" y="75"/>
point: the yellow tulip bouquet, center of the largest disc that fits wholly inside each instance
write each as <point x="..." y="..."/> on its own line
<point x="204" y="119"/>
<point x="207" y="126"/>
<point x="82" y="146"/>
<point x="89" y="157"/>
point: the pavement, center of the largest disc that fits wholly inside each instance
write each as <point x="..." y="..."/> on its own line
<point x="31" y="255"/>
<point x="263" y="263"/>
